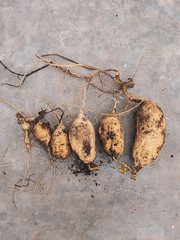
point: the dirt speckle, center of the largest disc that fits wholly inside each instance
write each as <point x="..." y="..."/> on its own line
<point x="110" y="135"/>
<point x="64" y="130"/>
<point x="160" y="121"/>
<point x="163" y="133"/>
<point x="86" y="147"/>
<point x="112" y="151"/>
<point x="45" y="125"/>
<point x="97" y="184"/>
<point x="146" y="132"/>
<point x="80" y="168"/>
<point x="138" y="167"/>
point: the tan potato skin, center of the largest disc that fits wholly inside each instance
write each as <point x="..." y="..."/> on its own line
<point x="42" y="132"/>
<point x="150" y="134"/>
<point x="60" y="142"/>
<point x="82" y="138"/>
<point x="111" y="135"/>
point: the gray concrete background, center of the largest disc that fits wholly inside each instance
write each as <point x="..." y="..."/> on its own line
<point x="106" y="34"/>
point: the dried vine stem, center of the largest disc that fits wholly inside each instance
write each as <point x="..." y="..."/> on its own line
<point x="115" y="78"/>
<point x="104" y="114"/>
<point x="51" y="63"/>
<point x="48" y="62"/>
<point x="2" y="100"/>
<point x="20" y="74"/>
<point x="106" y="72"/>
<point x="86" y="78"/>
<point x="130" y="96"/>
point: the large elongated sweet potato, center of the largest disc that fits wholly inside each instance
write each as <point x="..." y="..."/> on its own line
<point x="150" y="134"/>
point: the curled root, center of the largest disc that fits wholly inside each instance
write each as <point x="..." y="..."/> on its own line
<point x="53" y="177"/>
<point x="125" y="168"/>
<point x="37" y="182"/>
<point x="26" y="170"/>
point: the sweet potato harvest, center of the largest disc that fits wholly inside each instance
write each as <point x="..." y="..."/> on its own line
<point x="150" y="126"/>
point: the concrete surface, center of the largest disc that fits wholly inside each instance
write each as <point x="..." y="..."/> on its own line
<point x="106" y="34"/>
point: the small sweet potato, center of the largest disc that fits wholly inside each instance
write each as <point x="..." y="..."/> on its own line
<point x="60" y="142"/>
<point x="150" y="134"/>
<point x="111" y="135"/>
<point x="42" y="132"/>
<point x="82" y="138"/>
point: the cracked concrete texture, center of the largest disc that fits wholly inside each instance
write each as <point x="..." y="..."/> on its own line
<point x="105" y="34"/>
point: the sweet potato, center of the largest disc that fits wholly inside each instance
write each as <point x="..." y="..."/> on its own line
<point x="150" y="134"/>
<point x="60" y="142"/>
<point x="82" y="139"/>
<point x="42" y="132"/>
<point x="111" y="134"/>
